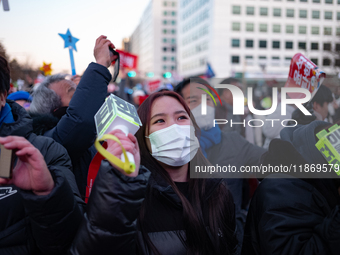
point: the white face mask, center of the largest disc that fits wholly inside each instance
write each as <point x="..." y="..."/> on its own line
<point x="204" y="122"/>
<point x="175" y="145"/>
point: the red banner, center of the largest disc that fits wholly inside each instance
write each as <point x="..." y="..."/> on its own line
<point x="304" y="73"/>
<point x="153" y="85"/>
<point x="127" y="60"/>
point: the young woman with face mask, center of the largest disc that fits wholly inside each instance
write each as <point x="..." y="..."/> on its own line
<point x="164" y="212"/>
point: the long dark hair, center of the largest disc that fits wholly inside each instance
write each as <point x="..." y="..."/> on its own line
<point x="220" y="239"/>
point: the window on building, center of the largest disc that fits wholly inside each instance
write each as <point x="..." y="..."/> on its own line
<point x="316" y="1"/>
<point x="262" y="44"/>
<point x="275" y="60"/>
<point x="303" y="1"/>
<point x="165" y="40"/>
<point x="276" y="44"/>
<point x="276" y="28"/>
<point x="303" y="14"/>
<point x="290" y="0"/>
<point x="314" y="46"/>
<point x="164" y="31"/>
<point x="264" y="11"/>
<point x="338" y="31"/>
<point x="249" y="43"/>
<point x="173" y="31"/>
<point x="249" y="60"/>
<point x="327" y="31"/>
<point x="314" y="60"/>
<point x="173" y="4"/>
<point x="173" y="49"/>
<point x="173" y="68"/>
<point x="164" y="67"/>
<point x="338" y="1"/>
<point x="329" y="1"/>
<point x="236" y="26"/>
<point x="327" y="46"/>
<point x="173" y="13"/>
<point x="164" y="58"/>
<point x="262" y="58"/>
<point x="165" y="3"/>
<point x="236" y="9"/>
<point x="289" y="45"/>
<point x="290" y="13"/>
<point x="164" y="49"/>
<point x="263" y="27"/>
<point x="277" y="12"/>
<point x="289" y="29"/>
<point x="337" y="62"/>
<point x="315" y="30"/>
<point x="173" y="59"/>
<point x="287" y="61"/>
<point x="337" y="47"/>
<point x="173" y="40"/>
<point x="328" y="15"/>
<point x="235" y="43"/>
<point x="235" y="59"/>
<point x="316" y="14"/>
<point x="326" y="62"/>
<point x="249" y="27"/>
<point x="250" y="10"/>
<point x="165" y="13"/>
<point x="338" y="15"/>
<point x="302" y="45"/>
<point x="302" y="29"/>
<point x="173" y="22"/>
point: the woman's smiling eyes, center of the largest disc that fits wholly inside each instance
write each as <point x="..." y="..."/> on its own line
<point x="182" y="117"/>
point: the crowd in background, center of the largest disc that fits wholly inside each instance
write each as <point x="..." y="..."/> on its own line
<point x="159" y="209"/>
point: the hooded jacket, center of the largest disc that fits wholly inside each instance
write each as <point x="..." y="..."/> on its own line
<point x="110" y="225"/>
<point x="290" y="215"/>
<point x="31" y="224"/>
<point x="76" y="130"/>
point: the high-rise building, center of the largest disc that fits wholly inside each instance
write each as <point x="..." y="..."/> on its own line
<point x="257" y="38"/>
<point x="155" y="39"/>
<point x="126" y="44"/>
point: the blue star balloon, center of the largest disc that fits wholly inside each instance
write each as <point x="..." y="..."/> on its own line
<point x="70" y="41"/>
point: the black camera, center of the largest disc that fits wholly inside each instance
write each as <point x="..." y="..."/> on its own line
<point x="115" y="63"/>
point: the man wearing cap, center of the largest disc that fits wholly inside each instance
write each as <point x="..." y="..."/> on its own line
<point x="22" y="98"/>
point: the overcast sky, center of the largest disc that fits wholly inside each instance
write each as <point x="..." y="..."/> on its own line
<point x="29" y="31"/>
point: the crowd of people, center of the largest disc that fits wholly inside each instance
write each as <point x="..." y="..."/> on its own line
<point x="163" y="207"/>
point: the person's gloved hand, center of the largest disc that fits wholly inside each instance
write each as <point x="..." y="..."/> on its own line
<point x="301" y="118"/>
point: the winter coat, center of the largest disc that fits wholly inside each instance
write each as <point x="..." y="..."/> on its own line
<point x="294" y="215"/>
<point x="110" y="225"/>
<point x="76" y="130"/>
<point x="31" y="224"/>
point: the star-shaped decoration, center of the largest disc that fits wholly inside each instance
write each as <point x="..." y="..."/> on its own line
<point x="70" y="41"/>
<point x="46" y="68"/>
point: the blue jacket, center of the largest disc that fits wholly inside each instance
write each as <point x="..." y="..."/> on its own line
<point x="76" y="129"/>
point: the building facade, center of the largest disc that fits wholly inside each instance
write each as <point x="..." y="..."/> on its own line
<point x="256" y="38"/>
<point x="155" y="39"/>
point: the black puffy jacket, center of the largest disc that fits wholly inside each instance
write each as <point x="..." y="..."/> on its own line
<point x="291" y="215"/>
<point x="76" y="130"/>
<point x="31" y="224"/>
<point x="110" y="225"/>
